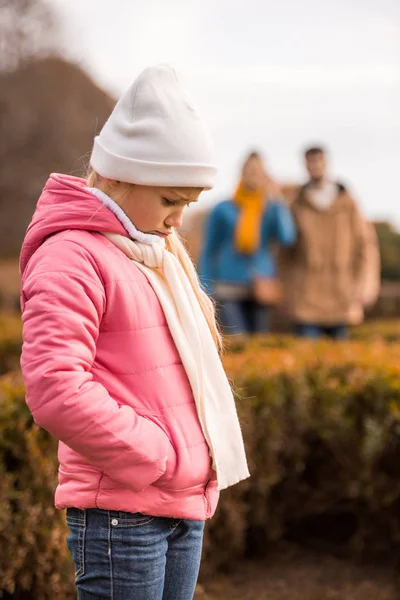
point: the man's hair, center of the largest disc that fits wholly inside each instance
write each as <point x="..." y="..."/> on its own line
<point x="313" y="151"/>
<point x="254" y="154"/>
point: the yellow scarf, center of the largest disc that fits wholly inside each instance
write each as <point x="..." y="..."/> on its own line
<point x="248" y="228"/>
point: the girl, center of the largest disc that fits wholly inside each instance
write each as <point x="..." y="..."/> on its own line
<point x="120" y="355"/>
<point x="237" y="255"/>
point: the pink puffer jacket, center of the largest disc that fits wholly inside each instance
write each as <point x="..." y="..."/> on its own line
<point x="102" y="372"/>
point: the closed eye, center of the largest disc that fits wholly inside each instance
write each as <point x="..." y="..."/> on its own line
<point x="167" y="202"/>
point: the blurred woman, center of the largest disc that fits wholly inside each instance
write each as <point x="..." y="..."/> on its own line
<point x="237" y="261"/>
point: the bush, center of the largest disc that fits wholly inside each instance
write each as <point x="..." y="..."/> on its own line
<point x="321" y="423"/>
<point x="387" y="329"/>
<point x="10" y="341"/>
<point x="323" y="447"/>
<point x="35" y="562"/>
<point x="389" y="244"/>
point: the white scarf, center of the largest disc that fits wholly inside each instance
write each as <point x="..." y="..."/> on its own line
<point x="323" y="195"/>
<point x="211" y="390"/>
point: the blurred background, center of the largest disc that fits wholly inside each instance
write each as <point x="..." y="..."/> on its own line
<point x="324" y="435"/>
<point x="272" y="76"/>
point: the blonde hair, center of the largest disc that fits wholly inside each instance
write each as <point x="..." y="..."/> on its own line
<point x="175" y="245"/>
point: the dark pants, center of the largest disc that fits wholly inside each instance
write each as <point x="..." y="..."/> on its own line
<point x="242" y="316"/>
<point x="314" y="332"/>
<point x="131" y="556"/>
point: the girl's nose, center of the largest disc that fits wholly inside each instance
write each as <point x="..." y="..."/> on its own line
<point x="175" y="219"/>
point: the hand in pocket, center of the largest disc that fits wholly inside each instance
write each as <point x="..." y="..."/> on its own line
<point x="170" y="468"/>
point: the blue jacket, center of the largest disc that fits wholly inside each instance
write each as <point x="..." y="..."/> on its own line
<point x="220" y="261"/>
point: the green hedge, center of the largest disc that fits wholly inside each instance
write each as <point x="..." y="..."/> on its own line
<point x="34" y="562"/>
<point x="387" y="329"/>
<point x="10" y="341"/>
<point x="321" y="423"/>
<point x="322" y="428"/>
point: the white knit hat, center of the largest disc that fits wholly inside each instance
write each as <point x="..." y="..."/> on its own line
<point x="155" y="136"/>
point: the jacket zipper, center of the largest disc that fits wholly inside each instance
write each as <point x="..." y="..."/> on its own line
<point x="208" y="505"/>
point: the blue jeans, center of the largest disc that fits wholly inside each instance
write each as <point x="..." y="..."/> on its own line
<point x="131" y="556"/>
<point x="242" y="316"/>
<point x="314" y="332"/>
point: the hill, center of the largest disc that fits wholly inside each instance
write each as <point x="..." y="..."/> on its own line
<point x="50" y="111"/>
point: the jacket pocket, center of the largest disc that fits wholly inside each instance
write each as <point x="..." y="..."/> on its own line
<point x="192" y="469"/>
<point x="170" y="470"/>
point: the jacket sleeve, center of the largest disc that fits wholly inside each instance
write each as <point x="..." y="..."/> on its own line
<point x="63" y="300"/>
<point x="213" y="236"/>
<point x="367" y="262"/>
<point x="283" y="224"/>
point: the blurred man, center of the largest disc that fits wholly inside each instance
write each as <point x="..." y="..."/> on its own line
<point x="326" y="271"/>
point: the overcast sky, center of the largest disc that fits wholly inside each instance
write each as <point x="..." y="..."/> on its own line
<point x="273" y="75"/>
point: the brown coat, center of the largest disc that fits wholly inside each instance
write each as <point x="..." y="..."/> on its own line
<point x="371" y="277"/>
<point x="324" y="273"/>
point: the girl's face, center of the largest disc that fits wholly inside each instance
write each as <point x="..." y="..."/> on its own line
<point x="154" y="209"/>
